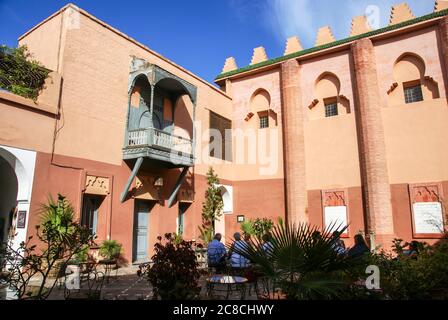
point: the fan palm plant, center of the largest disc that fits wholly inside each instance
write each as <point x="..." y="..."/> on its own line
<point x="57" y="217"/>
<point x="302" y="261"/>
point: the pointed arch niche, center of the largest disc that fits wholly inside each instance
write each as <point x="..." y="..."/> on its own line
<point x="412" y="84"/>
<point x="328" y="100"/>
<point x="261" y="115"/>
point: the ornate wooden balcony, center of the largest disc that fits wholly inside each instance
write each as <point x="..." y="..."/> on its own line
<point x="159" y="145"/>
<point x="151" y="121"/>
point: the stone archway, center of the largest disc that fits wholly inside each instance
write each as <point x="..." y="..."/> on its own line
<point x="227" y="198"/>
<point x="16" y="178"/>
<point x="8" y="199"/>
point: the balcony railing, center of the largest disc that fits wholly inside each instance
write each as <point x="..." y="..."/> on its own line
<point x="151" y="137"/>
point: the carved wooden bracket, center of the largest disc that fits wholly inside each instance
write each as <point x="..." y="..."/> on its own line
<point x="313" y="104"/>
<point x="392" y="88"/>
<point x="249" y="116"/>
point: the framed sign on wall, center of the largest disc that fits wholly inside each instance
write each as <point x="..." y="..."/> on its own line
<point x="336" y="218"/>
<point x="427" y="210"/>
<point x="427" y="217"/>
<point x="21" y="219"/>
<point x="335" y="210"/>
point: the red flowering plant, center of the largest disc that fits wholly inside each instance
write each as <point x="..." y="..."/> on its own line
<point x="174" y="272"/>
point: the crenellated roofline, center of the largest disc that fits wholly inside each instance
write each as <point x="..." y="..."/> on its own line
<point x="400" y="19"/>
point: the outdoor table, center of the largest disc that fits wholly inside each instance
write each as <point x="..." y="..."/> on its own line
<point x="228" y="281"/>
<point x="108" y="266"/>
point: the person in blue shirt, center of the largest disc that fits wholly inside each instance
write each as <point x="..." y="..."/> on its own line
<point x="268" y="248"/>
<point x="338" y="245"/>
<point x="237" y="260"/>
<point x="216" y="253"/>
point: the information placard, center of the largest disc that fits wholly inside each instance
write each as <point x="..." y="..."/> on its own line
<point x="428" y="217"/>
<point x="336" y="218"/>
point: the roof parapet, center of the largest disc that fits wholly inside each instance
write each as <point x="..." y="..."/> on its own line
<point x="293" y="45"/>
<point x="259" y="55"/>
<point x="440" y="5"/>
<point x="229" y="65"/>
<point x="360" y="25"/>
<point x="324" y="36"/>
<point x="401" y="16"/>
<point x="400" y="13"/>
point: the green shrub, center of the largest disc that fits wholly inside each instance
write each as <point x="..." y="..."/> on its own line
<point x="422" y="276"/>
<point x="19" y="73"/>
<point x="257" y="227"/>
<point x="174" y="273"/>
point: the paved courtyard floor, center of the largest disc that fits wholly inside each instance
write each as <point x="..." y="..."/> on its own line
<point x="125" y="284"/>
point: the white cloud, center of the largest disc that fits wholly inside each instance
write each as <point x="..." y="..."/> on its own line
<point x="289" y="18"/>
<point x="285" y="18"/>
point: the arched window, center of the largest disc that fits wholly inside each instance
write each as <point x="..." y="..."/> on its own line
<point x="412" y="84"/>
<point x="260" y="105"/>
<point x="328" y="100"/>
<point x="227" y="198"/>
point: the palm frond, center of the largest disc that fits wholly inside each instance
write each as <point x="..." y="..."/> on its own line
<point x="301" y="258"/>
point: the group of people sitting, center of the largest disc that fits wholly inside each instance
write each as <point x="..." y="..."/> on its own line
<point x="218" y="256"/>
<point x="361" y="247"/>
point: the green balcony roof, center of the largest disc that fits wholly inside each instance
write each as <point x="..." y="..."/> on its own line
<point x="334" y="44"/>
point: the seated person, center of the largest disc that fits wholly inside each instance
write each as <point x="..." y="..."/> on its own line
<point x="216" y="253"/>
<point x="360" y="247"/>
<point x="237" y="260"/>
<point x="268" y="248"/>
<point x="339" y="245"/>
<point x="413" y="249"/>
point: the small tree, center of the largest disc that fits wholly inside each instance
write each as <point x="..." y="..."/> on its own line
<point x="211" y="208"/>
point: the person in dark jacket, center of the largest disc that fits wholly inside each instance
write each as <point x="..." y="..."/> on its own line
<point x="360" y="247"/>
<point x="413" y="249"/>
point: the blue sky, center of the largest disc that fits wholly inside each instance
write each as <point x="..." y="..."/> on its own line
<point x="200" y="34"/>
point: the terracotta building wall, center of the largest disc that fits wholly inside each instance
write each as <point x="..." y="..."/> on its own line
<point x="415" y="134"/>
<point x="115" y="219"/>
<point x="25" y="127"/>
<point x="95" y="66"/>
<point x="46" y="43"/>
<point x="398" y="144"/>
<point x="243" y="92"/>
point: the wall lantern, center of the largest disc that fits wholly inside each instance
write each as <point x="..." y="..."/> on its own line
<point x="240" y="218"/>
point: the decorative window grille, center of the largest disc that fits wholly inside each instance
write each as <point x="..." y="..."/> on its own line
<point x="413" y="94"/>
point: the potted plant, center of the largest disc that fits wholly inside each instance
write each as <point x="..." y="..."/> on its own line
<point x="110" y="250"/>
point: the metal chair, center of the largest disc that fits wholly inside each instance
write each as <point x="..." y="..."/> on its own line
<point x="90" y="285"/>
<point x="216" y="262"/>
